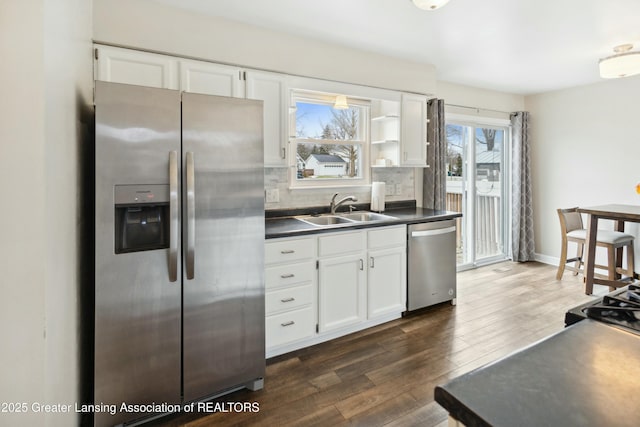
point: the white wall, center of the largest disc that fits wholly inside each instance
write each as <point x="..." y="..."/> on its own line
<point x="454" y="94"/>
<point x="48" y="47"/>
<point x="145" y="24"/>
<point x="585" y="151"/>
<point x="22" y="185"/>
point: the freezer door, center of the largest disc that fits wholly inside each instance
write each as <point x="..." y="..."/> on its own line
<point x="223" y="241"/>
<point x="137" y="305"/>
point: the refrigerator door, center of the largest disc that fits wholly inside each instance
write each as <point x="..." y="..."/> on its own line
<point x="137" y="305"/>
<point x="223" y="241"/>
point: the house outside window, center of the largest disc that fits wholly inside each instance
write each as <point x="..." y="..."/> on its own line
<point x="331" y="145"/>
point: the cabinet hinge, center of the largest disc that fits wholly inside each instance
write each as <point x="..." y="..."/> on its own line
<point x="317" y="328"/>
<point x="317" y="265"/>
<point x="95" y="53"/>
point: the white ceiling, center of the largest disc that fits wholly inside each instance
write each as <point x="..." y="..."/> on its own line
<point x="515" y="46"/>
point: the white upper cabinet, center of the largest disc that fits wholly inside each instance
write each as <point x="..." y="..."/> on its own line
<point x="272" y="90"/>
<point x="413" y="130"/>
<point x="211" y="79"/>
<point x="137" y="68"/>
<point x="148" y="69"/>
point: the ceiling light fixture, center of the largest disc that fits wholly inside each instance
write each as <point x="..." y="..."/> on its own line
<point x="341" y="103"/>
<point x="430" y="4"/>
<point x="624" y="63"/>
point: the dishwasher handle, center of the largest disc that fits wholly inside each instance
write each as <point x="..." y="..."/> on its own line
<point x="433" y="232"/>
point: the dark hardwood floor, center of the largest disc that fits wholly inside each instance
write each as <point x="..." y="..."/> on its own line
<point x="386" y="375"/>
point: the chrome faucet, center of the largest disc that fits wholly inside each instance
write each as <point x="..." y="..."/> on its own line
<point x="334" y="205"/>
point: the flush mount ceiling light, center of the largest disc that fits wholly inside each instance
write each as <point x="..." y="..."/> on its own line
<point x="624" y="63"/>
<point x="341" y="103"/>
<point x="430" y="4"/>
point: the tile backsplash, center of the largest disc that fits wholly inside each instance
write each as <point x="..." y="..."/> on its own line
<point x="401" y="180"/>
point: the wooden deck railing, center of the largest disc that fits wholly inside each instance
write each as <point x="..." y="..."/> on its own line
<point x="487" y="223"/>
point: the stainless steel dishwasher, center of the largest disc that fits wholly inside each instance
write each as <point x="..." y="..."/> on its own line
<point x="431" y="258"/>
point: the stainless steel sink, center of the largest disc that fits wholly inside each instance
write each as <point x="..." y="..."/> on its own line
<point x="325" y="220"/>
<point x="366" y="216"/>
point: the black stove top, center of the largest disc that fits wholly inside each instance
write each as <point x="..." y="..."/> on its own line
<point x="620" y="308"/>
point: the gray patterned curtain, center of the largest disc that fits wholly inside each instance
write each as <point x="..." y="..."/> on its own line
<point x="434" y="185"/>
<point x="522" y="241"/>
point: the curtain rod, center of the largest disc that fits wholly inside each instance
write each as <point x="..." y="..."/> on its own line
<point x="478" y="109"/>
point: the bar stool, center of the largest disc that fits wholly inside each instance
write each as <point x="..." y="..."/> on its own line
<point x="573" y="230"/>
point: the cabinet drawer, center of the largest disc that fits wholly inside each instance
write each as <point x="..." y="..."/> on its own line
<point x="288" y="327"/>
<point x="289" y="274"/>
<point x="386" y="237"/>
<point x="289" y="250"/>
<point x="341" y="243"/>
<point x="288" y="298"/>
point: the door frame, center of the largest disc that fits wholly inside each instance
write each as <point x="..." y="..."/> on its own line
<point x="469" y="220"/>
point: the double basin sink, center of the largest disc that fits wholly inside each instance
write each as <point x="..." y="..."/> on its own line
<point x="330" y="220"/>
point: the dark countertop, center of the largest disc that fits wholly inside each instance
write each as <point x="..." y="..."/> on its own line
<point x="403" y="213"/>
<point x="586" y="375"/>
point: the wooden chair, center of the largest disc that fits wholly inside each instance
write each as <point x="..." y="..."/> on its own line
<point x="573" y="230"/>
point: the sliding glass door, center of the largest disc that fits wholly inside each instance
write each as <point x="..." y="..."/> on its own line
<point x="477" y="183"/>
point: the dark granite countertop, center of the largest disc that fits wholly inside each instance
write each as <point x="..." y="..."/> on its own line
<point x="585" y="375"/>
<point x="282" y="223"/>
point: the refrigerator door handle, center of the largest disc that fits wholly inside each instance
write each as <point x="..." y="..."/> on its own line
<point x="191" y="217"/>
<point x="173" y="216"/>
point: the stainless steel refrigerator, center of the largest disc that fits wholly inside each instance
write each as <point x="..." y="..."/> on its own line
<point x="179" y="247"/>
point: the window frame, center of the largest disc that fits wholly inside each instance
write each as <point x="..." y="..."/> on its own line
<point x="364" y="141"/>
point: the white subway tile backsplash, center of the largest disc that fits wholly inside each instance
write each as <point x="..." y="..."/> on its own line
<point x="400" y="179"/>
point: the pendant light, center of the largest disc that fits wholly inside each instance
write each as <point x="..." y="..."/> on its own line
<point x="341" y="103"/>
<point x="623" y="64"/>
<point x="429" y="4"/>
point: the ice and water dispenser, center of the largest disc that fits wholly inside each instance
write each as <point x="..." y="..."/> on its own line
<point x="141" y="218"/>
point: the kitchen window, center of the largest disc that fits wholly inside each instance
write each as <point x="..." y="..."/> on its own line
<point x="331" y="145"/>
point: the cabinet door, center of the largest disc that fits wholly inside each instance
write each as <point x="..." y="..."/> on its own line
<point x="413" y="130"/>
<point x="210" y="79"/>
<point x="271" y="89"/>
<point x="387" y="282"/>
<point x="342" y="291"/>
<point x="117" y="65"/>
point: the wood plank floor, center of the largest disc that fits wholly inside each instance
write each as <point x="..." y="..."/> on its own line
<point x="385" y="376"/>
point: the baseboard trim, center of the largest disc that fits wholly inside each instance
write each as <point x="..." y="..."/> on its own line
<point x="546" y="259"/>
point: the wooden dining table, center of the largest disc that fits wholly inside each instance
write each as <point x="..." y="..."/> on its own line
<point x="618" y="213"/>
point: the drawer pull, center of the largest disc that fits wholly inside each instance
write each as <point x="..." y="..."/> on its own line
<point x="287" y="276"/>
<point x="287" y="251"/>
<point x="289" y="323"/>
<point x="290" y="299"/>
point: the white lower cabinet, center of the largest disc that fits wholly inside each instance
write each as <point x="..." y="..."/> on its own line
<point x="290" y="291"/>
<point x="387" y="271"/>
<point x="341" y="280"/>
<point x="355" y="280"/>
<point x="288" y="327"/>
